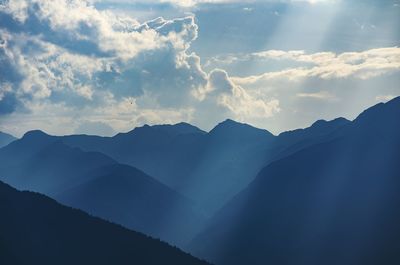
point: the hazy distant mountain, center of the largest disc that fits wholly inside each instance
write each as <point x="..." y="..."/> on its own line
<point x="129" y="197"/>
<point x="229" y="157"/>
<point x="235" y="131"/>
<point x="181" y="128"/>
<point x="96" y="183"/>
<point x="43" y="163"/>
<point x="209" y="168"/>
<point x="152" y="149"/>
<point x="5" y="139"/>
<point x="336" y="202"/>
<point x="34" y="229"/>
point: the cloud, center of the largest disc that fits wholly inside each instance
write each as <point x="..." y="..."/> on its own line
<point x="8" y="103"/>
<point x="320" y="95"/>
<point x="69" y="51"/>
<point x="75" y="59"/>
<point x="77" y="26"/>
<point x="311" y="86"/>
<point x="236" y="99"/>
<point x="325" y="65"/>
<point x="61" y="119"/>
<point x="192" y="3"/>
<point x="66" y="59"/>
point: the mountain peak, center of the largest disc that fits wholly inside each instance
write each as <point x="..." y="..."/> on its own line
<point x="178" y="128"/>
<point x="319" y="123"/>
<point x="233" y="122"/>
<point x="335" y="122"/>
<point x="170" y="129"/>
<point x="230" y="127"/>
<point x="160" y="132"/>
<point x="380" y="115"/>
<point x="320" y="127"/>
<point x="36" y="139"/>
<point x="229" y="123"/>
<point x="391" y="105"/>
<point x="35" y="134"/>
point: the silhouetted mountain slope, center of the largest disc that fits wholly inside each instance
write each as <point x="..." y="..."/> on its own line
<point x="229" y="157"/>
<point x="318" y="128"/>
<point x="178" y="129"/>
<point x="5" y="139"/>
<point x="208" y="168"/>
<point x="336" y="202"/>
<point x="94" y="182"/>
<point x="129" y="197"/>
<point x="144" y="139"/>
<point x="236" y="131"/>
<point x="152" y="149"/>
<point x="43" y="163"/>
<point x="291" y="141"/>
<point x="37" y="230"/>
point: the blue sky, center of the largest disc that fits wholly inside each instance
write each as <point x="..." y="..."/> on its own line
<point x="101" y="67"/>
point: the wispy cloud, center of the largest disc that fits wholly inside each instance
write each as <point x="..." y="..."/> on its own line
<point x="326" y="65"/>
<point x="321" y="95"/>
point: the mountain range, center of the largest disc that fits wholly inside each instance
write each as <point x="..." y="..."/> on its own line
<point x="326" y="194"/>
<point x="209" y="168"/>
<point x="335" y="202"/>
<point x="95" y="183"/>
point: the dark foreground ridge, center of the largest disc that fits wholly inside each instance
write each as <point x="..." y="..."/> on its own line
<point x="35" y="229"/>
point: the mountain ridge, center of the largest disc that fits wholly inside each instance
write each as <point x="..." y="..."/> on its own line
<point x="44" y="163"/>
<point x="228" y="156"/>
<point x="57" y="234"/>
<point x="333" y="202"/>
<point x="6" y="138"/>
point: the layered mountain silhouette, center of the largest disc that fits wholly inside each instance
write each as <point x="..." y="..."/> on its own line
<point x="153" y="149"/>
<point x="93" y="182"/>
<point x="5" y="139"/>
<point x="326" y="194"/>
<point x="42" y="163"/>
<point x="209" y="168"/>
<point x="129" y="197"/>
<point x="333" y="202"/>
<point x="35" y="229"/>
<point x="201" y="171"/>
